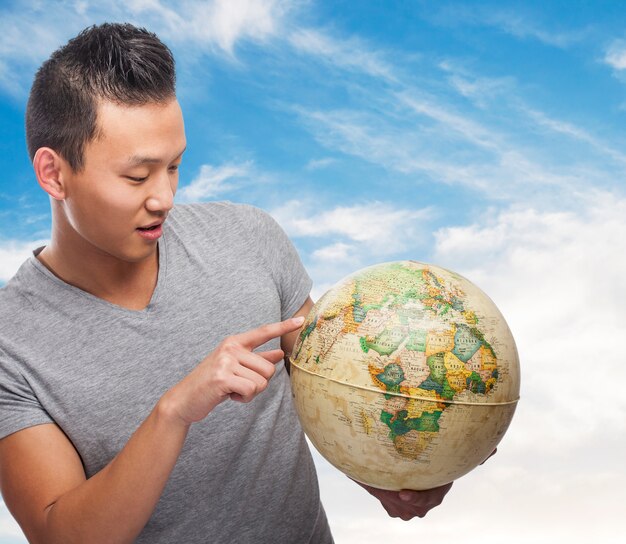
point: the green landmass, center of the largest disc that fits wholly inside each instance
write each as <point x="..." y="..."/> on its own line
<point x="431" y="385"/>
<point x="446" y="391"/>
<point x="416" y="341"/>
<point x="400" y="423"/>
<point x="437" y="367"/>
<point x="387" y="341"/>
<point x="305" y="333"/>
<point x="392" y="375"/>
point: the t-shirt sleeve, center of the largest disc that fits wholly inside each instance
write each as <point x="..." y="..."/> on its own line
<point x="281" y="258"/>
<point x="19" y="406"/>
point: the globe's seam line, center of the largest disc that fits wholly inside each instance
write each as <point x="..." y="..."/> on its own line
<point x="395" y="394"/>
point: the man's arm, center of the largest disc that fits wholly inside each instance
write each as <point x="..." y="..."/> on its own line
<point x="42" y="478"/>
<point x="44" y="485"/>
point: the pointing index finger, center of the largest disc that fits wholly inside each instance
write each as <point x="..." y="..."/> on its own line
<point x="257" y="337"/>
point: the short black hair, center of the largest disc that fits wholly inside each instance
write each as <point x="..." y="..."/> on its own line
<point x="116" y="62"/>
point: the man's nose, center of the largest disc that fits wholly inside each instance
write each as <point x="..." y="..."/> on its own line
<point x="161" y="197"/>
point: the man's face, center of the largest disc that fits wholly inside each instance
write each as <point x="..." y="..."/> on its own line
<point x="128" y="181"/>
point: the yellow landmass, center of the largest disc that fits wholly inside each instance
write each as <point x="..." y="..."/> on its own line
<point x="374" y="371"/>
<point x="440" y="279"/>
<point x="367" y="421"/>
<point x="453" y="364"/>
<point x="306" y="354"/>
<point x="488" y="360"/>
<point x="374" y="289"/>
<point x="470" y="317"/>
<point x="413" y="443"/>
<point x="457" y="381"/>
<point x="456" y="371"/>
<point x="438" y="341"/>
<point x="350" y="326"/>
<point x="416" y="407"/>
<point x="341" y="299"/>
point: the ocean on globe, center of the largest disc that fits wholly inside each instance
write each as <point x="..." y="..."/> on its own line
<point x="405" y="376"/>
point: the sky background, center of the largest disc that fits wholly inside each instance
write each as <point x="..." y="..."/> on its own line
<point x="485" y="137"/>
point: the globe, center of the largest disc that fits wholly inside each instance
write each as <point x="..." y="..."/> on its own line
<point x="405" y="376"/>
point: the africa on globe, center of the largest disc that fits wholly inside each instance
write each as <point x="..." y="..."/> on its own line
<point x="405" y="376"/>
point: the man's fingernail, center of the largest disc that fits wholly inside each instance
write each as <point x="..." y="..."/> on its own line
<point x="298" y="320"/>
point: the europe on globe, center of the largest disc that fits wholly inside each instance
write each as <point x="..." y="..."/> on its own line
<point x="405" y="376"/>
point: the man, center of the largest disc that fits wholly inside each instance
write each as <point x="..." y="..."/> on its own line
<point x="132" y="406"/>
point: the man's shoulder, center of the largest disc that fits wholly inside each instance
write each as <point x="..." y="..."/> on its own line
<point x="16" y="290"/>
<point x="221" y="218"/>
<point x="226" y="231"/>
<point x="214" y="211"/>
<point x="16" y="305"/>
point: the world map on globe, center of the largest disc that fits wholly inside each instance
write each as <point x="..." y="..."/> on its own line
<point x="405" y="375"/>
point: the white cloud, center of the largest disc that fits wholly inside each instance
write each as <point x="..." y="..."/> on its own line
<point x="522" y="27"/>
<point x="478" y="90"/>
<point x="318" y="164"/>
<point x="24" y="44"/>
<point x="509" y="499"/>
<point x="30" y="33"/>
<point x="518" y="23"/>
<point x="484" y="91"/>
<point x="616" y="55"/>
<point x="20" y="37"/>
<point x="575" y="132"/>
<point x="510" y="165"/>
<point x="468" y="129"/>
<point x="445" y="146"/>
<point x="338" y="251"/>
<point x="481" y="90"/>
<point x="379" y="227"/>
<point x="254" y="19"/>
<point x="13" y="253"/>
<point x="8" y="82"/>
<point x="410" y="129"/>
<point x="216" y="24"/>
<point x="348" y="53"/>
<point x="213" y="181"/>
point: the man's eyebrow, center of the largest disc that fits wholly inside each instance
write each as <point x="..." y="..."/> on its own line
<point x="138" y="160"/>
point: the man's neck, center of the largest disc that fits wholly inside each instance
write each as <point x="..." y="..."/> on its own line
<point x="126" y="284"/>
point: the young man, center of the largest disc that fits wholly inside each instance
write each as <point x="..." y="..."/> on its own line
<point x="132" y="406"/>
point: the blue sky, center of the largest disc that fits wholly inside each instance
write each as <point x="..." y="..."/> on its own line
<point x="486" y="137"/>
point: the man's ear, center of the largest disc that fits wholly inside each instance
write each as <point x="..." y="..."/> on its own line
<point x="48" y="169"/>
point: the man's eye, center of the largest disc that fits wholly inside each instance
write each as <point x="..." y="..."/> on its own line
<point x="173" y="168"/>
<point x="131" y="178"/>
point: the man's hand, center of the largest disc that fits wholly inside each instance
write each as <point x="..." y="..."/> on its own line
<point x="408" y="504"/>
<point x="233" y="370"/>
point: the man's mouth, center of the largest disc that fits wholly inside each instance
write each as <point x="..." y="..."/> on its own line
<point x="151" y="226"/>
<point x="151" y="232"/>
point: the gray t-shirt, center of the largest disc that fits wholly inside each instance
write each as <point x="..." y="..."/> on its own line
<point x="96" y="370"/>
